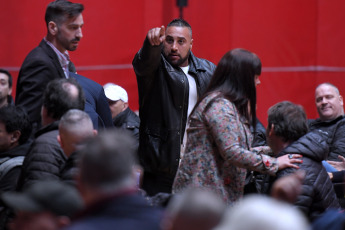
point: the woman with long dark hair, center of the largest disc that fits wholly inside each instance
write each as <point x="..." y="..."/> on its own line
<point x="218" y="151"/>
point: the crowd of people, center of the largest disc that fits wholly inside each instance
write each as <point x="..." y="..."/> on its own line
<point x="73" y="155"/>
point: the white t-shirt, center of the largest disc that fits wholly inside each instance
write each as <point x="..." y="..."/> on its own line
<point x="192" y="99"/>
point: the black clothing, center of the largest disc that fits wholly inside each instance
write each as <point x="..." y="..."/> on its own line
<point x="45" y="158"/>
<point x="336" y="130"/>
<point x="70" y="170"/>
<point x="163" y="105"/>
<point x="317" y="190"/>
<point x="128" y="120"/>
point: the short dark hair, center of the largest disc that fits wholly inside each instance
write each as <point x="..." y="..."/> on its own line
<point x="57" y="10"/>
<point x="15" y="118"/>
<point x="107" y="160"/>
<point x="9" y="77"/>
<point x="178" y="22"/>
<point x="289" y="120"/>
<point x="57" y="97"/>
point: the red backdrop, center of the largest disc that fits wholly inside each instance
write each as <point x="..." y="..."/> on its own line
<point x="300" y="43"/>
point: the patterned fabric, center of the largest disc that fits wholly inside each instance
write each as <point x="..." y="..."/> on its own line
<point x="63" y="57"/>
<point x="218" y="151"/>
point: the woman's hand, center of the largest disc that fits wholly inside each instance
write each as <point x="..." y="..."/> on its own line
<point x="288" y="160"/>
<point x="338" y="165"/>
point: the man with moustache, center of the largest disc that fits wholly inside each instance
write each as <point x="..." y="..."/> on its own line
<point x="170" y="80"/>
<point x="50" y="59"/>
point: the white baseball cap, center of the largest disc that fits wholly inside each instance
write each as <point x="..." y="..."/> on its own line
<point x="115" y="92"/>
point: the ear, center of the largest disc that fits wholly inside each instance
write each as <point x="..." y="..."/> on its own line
<point x="191" y="43"/>
<point x="52" y="28"/>
<point x="59" y="140"/>
<point x="15" y="135"/>
<point x="341" y="100"/>
<point x="125" y="105"/>
<point x="9" y="92"/>
<point x="270" y="130"/>
<point x="95" y="132"/>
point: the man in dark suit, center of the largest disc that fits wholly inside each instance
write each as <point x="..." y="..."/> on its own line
<point x="96" y="103"/>
<point x="50" y="59"/>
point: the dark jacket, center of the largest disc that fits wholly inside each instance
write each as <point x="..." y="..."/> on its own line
<point x="336" y="129"/>
<point x="317" y="190"/>
<point x="163" y="104"/>
<point x="124" y="212"/>
<point x="96" y="103"/>
<point x="70" y="170"/>
<point x="45" y="158"/>
<point x="40" y="66"/>
<point x="128" y="120"/>
<point x="10" y="179"/>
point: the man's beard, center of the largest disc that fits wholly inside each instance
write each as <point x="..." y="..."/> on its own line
<point x="178" y="62"/>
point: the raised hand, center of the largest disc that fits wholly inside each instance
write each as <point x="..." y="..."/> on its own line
<point x="156" y="36"/>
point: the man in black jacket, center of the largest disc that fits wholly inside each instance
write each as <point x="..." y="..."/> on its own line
<point x="50" y="59"/>
<point x="170" y="81"/>
<point x="45" y="158"/>
<point x="330" y="107"/>
<point x="123" y="116"/>
<point x="287" y="133"/>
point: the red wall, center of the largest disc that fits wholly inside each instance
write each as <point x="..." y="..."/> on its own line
<point x="300" y="43"/>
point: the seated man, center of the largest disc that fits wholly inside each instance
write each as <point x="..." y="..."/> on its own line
<point x="75" y="126"/>
<point x="45" y="158"/>
<point x="5" y="88"/>
<point x="46" y="205"/>
<point x="286" y="134"/>
<point x="15" y="130"/>
<point x="330" y="107"/>
<point x="123" y="116"/>
<point x="107" y="181"/>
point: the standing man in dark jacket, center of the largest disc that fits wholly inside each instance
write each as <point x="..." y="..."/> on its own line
<point x="287" y="134"/>
<point x="50" y="60"/>
<point x="170" y="80"/>
<point x="45" y="158"/>
<point x="330" y="107"/>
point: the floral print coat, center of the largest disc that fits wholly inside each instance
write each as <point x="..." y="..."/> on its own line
<point x="218" y="151"/>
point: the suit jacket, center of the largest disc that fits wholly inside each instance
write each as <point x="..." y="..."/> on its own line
<point x="40" y="66"/>
<point x="96" y="103"/>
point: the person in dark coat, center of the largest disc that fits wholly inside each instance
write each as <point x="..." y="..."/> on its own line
<point x="330" y="107"/>
<point x="5" y="88"/>
<point x="287" y="133"/>
<point x="170" y="81"/>
<point x="50" y="59"/>
<point x="74" y="127"/>
<point x="123" y="116"/>
<point x="15" y="129"/>
<point x="108" y="187"/>
<point x="45" y="158"/>
<point x="96" y="103"/>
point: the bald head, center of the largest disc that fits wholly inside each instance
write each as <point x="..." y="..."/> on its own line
<point x="328" y="101"/>
<point x="75" y="126"/>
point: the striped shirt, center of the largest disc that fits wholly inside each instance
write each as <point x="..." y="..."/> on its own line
<point x="63" y="57"/>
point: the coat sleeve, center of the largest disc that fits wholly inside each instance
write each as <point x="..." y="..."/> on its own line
<point x="103" y="110"/>
<point x="228" y="132"/>
<point x="44" y="161"/>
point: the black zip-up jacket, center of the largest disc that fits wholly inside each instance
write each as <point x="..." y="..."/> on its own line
<point x="336" y="130"/>
<point x="163" y="104"/>
<point x="317" y="190"/>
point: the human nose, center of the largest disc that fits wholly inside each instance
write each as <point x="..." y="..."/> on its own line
<point x="174" y="46"/>
<point x="79" y="33"/>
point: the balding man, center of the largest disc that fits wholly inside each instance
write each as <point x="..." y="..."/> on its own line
<point x="330" y="107"/>
<point x="74" y="127"/>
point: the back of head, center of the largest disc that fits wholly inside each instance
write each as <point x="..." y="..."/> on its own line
<point x="234" y="78"/>
<point x="59" y="10"/>
<point x="76" y="122"/>
<point x="289" y="120"/>
<point x="45" y="196"/>
<point x="178" y="22"/>
<point x="15" y="118"/>
<point x="107" y="162"/>
<point x="194" y="209"/>
<point x="62" y="95"/>
<point x="263" y="213"/>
